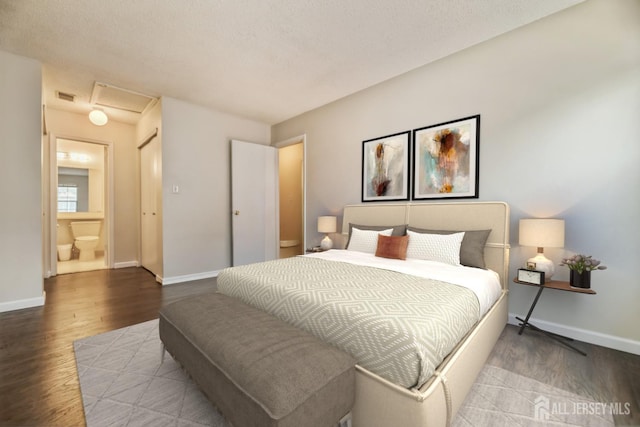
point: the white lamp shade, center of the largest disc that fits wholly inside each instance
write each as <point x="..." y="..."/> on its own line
<point x="327" y="224"/>
<point x="98" y="117"/>
<point x="542" y="232"/>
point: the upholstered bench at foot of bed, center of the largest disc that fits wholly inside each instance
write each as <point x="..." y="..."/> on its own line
<point x="256" y="369"/>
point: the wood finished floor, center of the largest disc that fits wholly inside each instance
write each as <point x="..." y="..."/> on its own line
<point x="38" y="380"/>
<point x="604" y="375"/>
<point x="39" y="384"/>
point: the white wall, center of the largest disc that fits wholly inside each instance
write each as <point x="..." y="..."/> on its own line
<point x="560" y="105"/>
<point x="196" y="158"/>
<point x="122" y="135"/>
<point x="21" y="214"/>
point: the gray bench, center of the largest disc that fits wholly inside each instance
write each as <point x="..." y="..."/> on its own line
<point x="256" y="369"/>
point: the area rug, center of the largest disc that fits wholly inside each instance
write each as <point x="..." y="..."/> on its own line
<point x="124" y="383"/>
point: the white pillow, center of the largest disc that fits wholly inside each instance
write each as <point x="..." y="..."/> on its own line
<point x="366" y="240"/>
<point x="435" y="247"/>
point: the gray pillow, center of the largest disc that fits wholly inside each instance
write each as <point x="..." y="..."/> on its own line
<point x="472" y="247"/>
<point x="398" y="230"/>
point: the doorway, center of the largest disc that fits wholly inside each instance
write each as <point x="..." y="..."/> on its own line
<point x="80" y="200"/>
<point x="291" y="196"/>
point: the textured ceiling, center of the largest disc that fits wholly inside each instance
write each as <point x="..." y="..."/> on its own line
<point x="265" y="60"/>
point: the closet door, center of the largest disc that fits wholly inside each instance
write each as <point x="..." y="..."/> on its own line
<point x="150" y="201"/>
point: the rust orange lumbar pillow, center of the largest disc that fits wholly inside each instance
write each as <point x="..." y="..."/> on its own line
<point x="392" y="246"/>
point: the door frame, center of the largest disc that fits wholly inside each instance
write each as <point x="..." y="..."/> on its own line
<point x="285" y="143"/>
<point x="51" y="208"/>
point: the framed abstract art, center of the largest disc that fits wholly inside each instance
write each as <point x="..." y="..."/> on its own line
<point x="446" y="160"/>
<point x="385" y="168"/>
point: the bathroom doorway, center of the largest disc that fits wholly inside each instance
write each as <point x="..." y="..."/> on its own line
<point x="291" y="166"/>
<point x="80" y="201"/>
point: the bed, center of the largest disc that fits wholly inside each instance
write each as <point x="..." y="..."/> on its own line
<point x="405" y="376"/>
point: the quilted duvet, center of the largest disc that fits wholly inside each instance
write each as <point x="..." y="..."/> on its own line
<point x="396" y="325"/>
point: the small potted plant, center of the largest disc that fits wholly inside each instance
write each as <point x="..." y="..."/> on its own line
<point x="580" y="268"/>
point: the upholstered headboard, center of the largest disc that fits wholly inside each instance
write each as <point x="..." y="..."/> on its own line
<point x="444" y="216"/>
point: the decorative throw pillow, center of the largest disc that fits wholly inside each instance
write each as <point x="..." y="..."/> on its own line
<point x="472" y="248"/>
<point x="435" y="247"/>
<point x="398" y="230"/>
<point x="366" y="240"/>
<point x="394" y="247"/>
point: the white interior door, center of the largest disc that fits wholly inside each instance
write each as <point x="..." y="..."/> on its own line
<point x="254" y="202"/>
<point x="149" y="222"/>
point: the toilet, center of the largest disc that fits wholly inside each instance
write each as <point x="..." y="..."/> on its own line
<point x="86" y="235"/>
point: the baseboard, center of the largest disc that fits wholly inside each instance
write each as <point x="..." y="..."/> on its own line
<point x="21" y="303"/>
<point x="126" y="264"/>
<point x="597" y="338"/>
<point x="187" y="277"/>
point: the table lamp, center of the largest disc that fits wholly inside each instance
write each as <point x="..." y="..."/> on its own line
<point x="542" y="233"/>
<point x="326" y="224"/>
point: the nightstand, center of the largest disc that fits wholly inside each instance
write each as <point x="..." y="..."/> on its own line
<point x="558" y="285"/>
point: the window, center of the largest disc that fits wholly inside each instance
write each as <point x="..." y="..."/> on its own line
<point x="67" y="198"/>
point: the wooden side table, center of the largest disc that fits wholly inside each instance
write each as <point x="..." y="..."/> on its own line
<point x="552" y="284"/>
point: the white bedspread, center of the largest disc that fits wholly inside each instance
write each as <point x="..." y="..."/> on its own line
<point x="485" y="284"/>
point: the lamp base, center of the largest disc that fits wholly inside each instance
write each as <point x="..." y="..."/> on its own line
<point x="543" y="264"/>
<point x="326" y="243"/>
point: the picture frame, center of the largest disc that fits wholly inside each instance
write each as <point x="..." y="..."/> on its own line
<point x="446" y="160"/>
<point x="385" y="168"/>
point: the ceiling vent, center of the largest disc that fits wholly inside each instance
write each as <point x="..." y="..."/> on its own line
<point x="65" y="96"/>
<point x="106" y="95"/>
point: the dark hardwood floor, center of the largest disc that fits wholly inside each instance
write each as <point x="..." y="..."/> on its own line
<point x="38" y="380"/>
<point x="39" y="384"/>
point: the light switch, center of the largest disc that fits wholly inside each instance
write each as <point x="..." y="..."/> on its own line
<point x="176" y="189"/>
